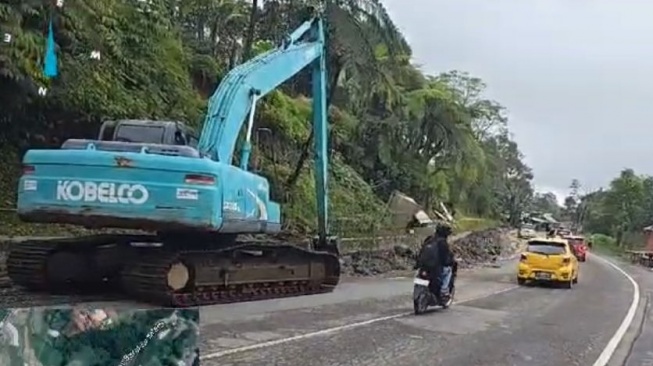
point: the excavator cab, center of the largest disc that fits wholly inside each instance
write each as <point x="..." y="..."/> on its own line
<point x="149" y="132"/>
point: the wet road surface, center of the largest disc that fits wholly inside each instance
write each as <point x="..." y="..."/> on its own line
<point x="370" y="322"/>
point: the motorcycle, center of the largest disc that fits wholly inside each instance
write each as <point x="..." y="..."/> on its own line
<point x="423" y="297"/>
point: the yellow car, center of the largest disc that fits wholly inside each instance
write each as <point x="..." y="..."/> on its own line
<point x="548" y="260"/>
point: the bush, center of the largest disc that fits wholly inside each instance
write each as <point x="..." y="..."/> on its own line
<point x="606" y="244"/>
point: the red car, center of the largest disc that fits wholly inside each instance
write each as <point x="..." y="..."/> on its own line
<point x="579" y="246"/>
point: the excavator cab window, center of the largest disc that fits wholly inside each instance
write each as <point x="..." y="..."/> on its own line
<point x="107" y="130"/>
<point x="192" y="141"/>
<point x="140" y="133"/>
<point x="180" y="139"/>
<point x="184" y="135"/>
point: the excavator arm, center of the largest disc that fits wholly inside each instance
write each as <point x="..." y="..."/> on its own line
<point x="234" y="102"/>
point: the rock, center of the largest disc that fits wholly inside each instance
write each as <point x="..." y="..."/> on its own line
<point x="403" y="250"/>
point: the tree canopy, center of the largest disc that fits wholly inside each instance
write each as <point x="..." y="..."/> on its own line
<point x="621" y="210"/>
<point x="437" y="138"/>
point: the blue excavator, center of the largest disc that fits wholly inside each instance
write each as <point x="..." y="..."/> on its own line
<point x="207" y="231"/>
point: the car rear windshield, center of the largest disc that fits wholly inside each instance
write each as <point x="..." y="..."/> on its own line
<point x="576" y="241"/>
<point x="545" y="248"/>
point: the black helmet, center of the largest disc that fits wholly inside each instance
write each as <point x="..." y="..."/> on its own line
<point x="443" y="229"/>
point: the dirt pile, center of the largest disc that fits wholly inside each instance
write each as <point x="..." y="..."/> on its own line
<point x="485" y="246"/>
<point x="472" y="249"/>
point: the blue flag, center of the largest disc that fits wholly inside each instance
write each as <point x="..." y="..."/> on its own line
<point x="50" y="66"/>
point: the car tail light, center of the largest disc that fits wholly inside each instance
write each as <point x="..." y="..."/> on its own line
<point x="523" y="258"/>
<point x="199" y="179"/>
<point x="566" y="261"/>
<point x="28" y="169"/>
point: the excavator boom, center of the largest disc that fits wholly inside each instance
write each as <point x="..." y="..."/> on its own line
<point x="236" y="98"/>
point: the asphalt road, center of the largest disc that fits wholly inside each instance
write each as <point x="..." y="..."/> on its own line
<point x="370" y="322"/>
<point x="638" y="351"/>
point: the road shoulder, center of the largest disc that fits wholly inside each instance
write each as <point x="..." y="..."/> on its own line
<point x="633" y="350"/>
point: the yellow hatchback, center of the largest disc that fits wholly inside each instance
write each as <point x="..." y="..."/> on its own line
<point x="548" y="260"/>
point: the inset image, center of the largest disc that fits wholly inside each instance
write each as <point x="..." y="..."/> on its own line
<point x="80" y="336"/>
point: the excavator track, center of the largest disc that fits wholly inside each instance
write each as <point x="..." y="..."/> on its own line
<point x="234" y="274"/>
<point x="169" y="276"/>
<point x="46" y="264"/>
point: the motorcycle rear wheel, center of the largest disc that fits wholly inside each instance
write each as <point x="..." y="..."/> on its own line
<point x="420" y="299"/>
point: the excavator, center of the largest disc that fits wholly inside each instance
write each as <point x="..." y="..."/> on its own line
<point x="202" y="230"/>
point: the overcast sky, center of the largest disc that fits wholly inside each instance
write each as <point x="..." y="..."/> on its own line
<point x="575" y="76"/>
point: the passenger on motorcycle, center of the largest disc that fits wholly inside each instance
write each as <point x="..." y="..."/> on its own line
<point x="436" y="257"/>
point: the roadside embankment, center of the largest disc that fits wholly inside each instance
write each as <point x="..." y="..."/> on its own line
<point x="472" y="249"/>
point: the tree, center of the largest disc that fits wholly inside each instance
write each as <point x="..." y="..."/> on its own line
<point x="622" y="210"/>
<point x="574" y="187"/>
<point x="515" y="190"/>
<point x="355" y="29"/>
<point x="572" y="201"/>
<point x="546" y="203"/>
<point x="488" y="117"/>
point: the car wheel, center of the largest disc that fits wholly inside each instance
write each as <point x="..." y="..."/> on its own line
<point x="521" y="281"/>
<point x="575" y="280"/>
<point x="569" y="284"/>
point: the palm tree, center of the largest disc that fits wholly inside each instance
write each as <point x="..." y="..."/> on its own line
<point x="355" y="29"/>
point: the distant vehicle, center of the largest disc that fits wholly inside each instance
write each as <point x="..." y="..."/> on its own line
<point x="578" y="246"/>
<point x="563" y="232"/>
<point x="527" y="232"/>
<point x="548" y="260"/>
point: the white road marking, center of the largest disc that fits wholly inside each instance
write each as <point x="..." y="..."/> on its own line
<point x="611" y="347"/>
<point x="331" y="330"/>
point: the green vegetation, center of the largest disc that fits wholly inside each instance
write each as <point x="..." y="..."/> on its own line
<point x="142" y="337"/>
<point x="435" y="138"/>
<point x="465" y="224"/>
<point x="605" y="244"/>
<point x="615" y="216"/>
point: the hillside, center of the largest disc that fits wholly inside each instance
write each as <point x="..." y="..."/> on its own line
<point x="435" y="138"/>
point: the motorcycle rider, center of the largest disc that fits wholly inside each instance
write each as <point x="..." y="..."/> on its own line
<point x="551" y="234"/>
<point x="436" y="258"/>
<point x="447" y="258"/>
